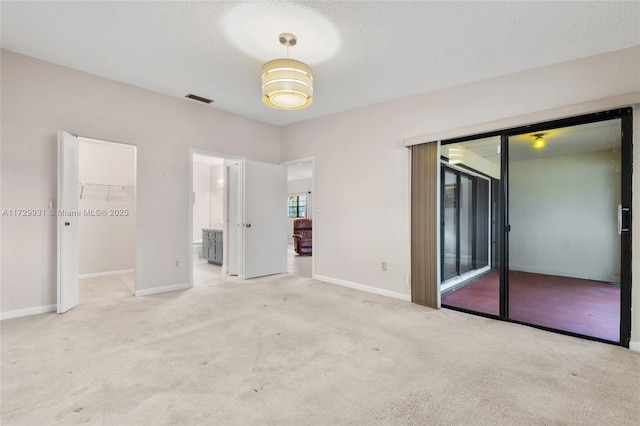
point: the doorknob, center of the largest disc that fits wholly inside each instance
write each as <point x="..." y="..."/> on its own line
<point x="67" y="224"/>
<point x="248" y="225"/>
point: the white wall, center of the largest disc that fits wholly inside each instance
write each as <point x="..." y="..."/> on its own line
<point x="208" y="207"/>
<point x="202" y="198"/>
<point x="40" y="98"/>
<point x="107" y="243"/>
<point x="563" y="216"/>
<point x="216" y="208"/>
<point x="300" y="186"/>
<point x="359" y="156"/>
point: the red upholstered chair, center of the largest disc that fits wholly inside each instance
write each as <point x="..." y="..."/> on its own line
<point x="302" y="242"/>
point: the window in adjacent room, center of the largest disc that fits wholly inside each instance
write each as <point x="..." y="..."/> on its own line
<point x="297" y="206"/>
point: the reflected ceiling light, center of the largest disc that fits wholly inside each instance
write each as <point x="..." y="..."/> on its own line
<point x="286" y="83"/>
<point x="539" y="142"/>
<point x="456" y="156"/>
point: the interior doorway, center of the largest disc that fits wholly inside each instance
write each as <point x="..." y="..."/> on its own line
<point x="300" y="209"/>
<point x="560" y="225"/>
<point x="106" y="220"/>
<point x="251" y="240"/>
<point x="208" y="218"/>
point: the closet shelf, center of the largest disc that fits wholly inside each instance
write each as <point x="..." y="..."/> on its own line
<point x="100" y="191"/>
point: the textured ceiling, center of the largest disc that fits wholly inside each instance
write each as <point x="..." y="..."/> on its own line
<point x="362" y="53"/>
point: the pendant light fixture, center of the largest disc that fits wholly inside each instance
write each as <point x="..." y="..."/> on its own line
<point x="539" y="142"/>
<point x="287" y="84"/>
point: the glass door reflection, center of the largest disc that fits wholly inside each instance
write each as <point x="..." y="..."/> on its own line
<point x="449" y="225"/>
<point x="470" y="172"/>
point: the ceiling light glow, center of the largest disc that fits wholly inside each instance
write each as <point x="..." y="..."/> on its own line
<point x="252" y="26"/>
<point x="539" y="142"/>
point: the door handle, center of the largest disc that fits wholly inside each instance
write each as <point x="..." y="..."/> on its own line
<point x="620" y="211"/>
<point x="67" y="224"/>
<point x="248" y="225"/>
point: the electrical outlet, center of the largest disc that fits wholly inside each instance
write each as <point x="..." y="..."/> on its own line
<point x="384" y="266"/>
<point x="176" y="265"/>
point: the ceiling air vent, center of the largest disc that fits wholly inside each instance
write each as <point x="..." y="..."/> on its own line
<point x="199" y="98"/>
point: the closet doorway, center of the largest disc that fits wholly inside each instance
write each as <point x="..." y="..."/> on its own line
<point x="559" y="228"/>
<point x="106" y="219"/>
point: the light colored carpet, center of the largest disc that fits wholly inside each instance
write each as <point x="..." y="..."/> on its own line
<point x="286" y="350"/>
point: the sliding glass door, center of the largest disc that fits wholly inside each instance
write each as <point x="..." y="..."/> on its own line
<point x="536" y="225"/>
<point x="565" y="217"/>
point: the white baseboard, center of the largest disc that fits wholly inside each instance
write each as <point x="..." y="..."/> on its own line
<point x="28" y="311"/>
<point x="362" y="287"/>
<point x="106" y="274"/>
<point x="634" y="346"/>
<point x="156" y="290"/>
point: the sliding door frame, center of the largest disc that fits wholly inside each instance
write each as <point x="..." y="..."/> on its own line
<point x="443" y="185"/>
<point x="504" y="227"/>
<point x="460" y="172"/>
<point x="627" y="198"/>
<point x="626" y="117"/>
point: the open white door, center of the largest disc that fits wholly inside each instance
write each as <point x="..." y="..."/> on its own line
<point x="67" y="222"/>
<point x="264" y="230"/>
<point x="233" y="218"/>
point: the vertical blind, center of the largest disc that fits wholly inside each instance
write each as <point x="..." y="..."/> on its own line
<point x="425" y="169"/>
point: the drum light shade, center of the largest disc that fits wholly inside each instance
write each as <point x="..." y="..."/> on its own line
<point x="287" y="84"/>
